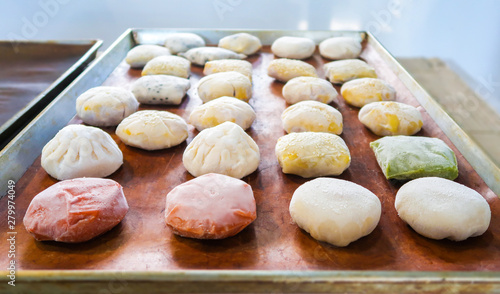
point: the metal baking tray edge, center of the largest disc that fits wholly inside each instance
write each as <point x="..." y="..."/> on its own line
<point x="255" y="281"/>
<point x="13" y="125"/>
<point x="16" y="157"/>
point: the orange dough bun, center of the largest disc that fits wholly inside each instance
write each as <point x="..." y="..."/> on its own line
<point x="76" y="210"/>
<point x="212" y="206"/>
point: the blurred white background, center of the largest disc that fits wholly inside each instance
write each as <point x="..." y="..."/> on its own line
<point x="466" y="34"/>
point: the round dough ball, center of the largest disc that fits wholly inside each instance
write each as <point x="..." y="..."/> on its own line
<point x="160" y="89"/>
<point x="293" y="47"/>
<point x="438" y="208"/>
<point x="138" y="56"/>
<point x="212" y="206"/>
<point x="286" y="69"/>
<point x="341" y="71"/>
<point x="242" y="66"/>
<point x="360" y="92"/>
<point x="152" y="130"/>
<point x="241" y="43"/>
<point x="80" y="151"/>
<point x="220" y="84"/>
<point x="309" y="88"/>
<point x="220" y="110"/>
<point x="224" y="149"/>
<point x="200" y="56"/>
<point x="340" y="48"/>
<point x="76" y="210"/>
<point x="182" y="42"/>
<point x="391" y="118"/>
<point x="312" y="116"/>
<point x="311" y="154"/>
<point x="335" y="211"/>
<point x="168" y="65"/>
<point x="105" y="106"/>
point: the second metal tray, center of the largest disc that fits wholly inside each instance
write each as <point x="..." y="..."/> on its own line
<point x="33" y="73"/>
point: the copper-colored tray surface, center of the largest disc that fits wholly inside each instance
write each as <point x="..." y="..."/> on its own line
<point x="142" y="242"/>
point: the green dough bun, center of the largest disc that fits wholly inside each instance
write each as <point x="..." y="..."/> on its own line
<point x="411" y="157"/>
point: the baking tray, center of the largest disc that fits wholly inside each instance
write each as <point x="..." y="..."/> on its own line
<point x="33" y="74"/>
<point x="272" y="254"/>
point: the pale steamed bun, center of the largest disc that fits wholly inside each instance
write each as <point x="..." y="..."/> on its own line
<point x="335" y="211"/>
<point x="80" y="151"/>
<point x="360" y="92"/>
<point x="309" y="88"/>
<point x="438" y="208"/>
<point x="152" y="130"/>
<point x="202" y="55"/>
<point x="220" y="110"/>
<point x="224" y="149"/>
<point x="242" y="66"/>
<point x="311" y="154"/>
<point x="168" y="65"/>
<point x="229" y="83"/>
<point x="312" y="116"/>
<point x="141" y="54"/>
<point x="284" y="69"/>
<point x="341" y="71"/>
<point x="293" y="47"/>
<point x="182" y="42"/>
<point x="391" y="118"/>
<point x="241" y="43"/>
<point x="105" y="106"/>
<point x="340" y="48"/>
<point x="160" y="89"/>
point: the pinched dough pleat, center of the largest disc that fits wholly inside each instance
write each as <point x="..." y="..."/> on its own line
<point x="81" y="151"/>
<point x="224" y="149"/>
